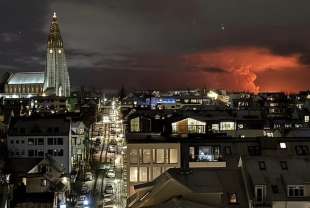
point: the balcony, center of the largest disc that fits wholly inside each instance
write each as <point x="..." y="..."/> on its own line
<point x="208" y="164"/>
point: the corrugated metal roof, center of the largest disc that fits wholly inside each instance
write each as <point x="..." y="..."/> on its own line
<point x="27" y="78"/>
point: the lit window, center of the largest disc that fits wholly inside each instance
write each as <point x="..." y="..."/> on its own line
<point x="227" y="126"/>
<point x="215" y="127"/>
<point x="147" y="156"/>
<point x="173" y="156"/>
<point x="133" y="174"/>
<point x="51" y="51"/>
<point x="59" y="51"/>
<point x="135" y="125"/>
<point x="232" y="198"/>
<point x="209" y="153"/>
<point x="160" y="155"/>
<point x="156" y="172"/>
<point x="306" y="119"/>
<point x="143" y="174"/>
<point x="283" y="145"/>
<point x="133" y="156"/>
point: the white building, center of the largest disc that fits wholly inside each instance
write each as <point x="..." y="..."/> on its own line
<point x="41" y="138"/>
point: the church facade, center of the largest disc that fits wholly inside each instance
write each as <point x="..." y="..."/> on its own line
<point x="54" y="81"/>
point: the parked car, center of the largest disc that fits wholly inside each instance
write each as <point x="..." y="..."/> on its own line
<point x="109" y="189"/>
<point x="108" y="198"/>
<point x="112" y="148"/>
<point x="88" y="176"/>
<point x="110" y="173"/>
<point x="84" y="189"/>
<point x="104" y="166"/>
<point x="98" y="141"/>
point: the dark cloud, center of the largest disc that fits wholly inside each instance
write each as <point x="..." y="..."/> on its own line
<point x="213" y="70"/>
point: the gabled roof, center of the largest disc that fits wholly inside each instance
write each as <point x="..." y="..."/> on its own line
<point x="201" y="186"/>
<point x="26" y="78"/>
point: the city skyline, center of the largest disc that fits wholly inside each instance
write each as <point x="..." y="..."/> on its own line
<point x="165" y="45"/>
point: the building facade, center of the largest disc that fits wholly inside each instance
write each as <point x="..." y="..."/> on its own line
<point x="24" y="84"/>
<point x="41" y="138"/>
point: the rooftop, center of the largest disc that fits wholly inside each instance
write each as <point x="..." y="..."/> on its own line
<point x="26" y="78"/>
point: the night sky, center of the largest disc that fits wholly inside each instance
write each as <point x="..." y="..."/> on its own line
<point x="251" y="45"/>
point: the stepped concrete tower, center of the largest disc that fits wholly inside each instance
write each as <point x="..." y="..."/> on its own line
<point x="57" y="79"/>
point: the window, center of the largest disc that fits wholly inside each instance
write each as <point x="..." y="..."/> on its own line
<point x="23" y="141"/>
<point x="40" y="153"/>
<point x="232" y="198"/>
<point x="43" y="182"/>
<point x="192" y="156"/>
<point x="30" y="141"/>
<point x="133" y="156"/>
<point x="156" y="172"/>
<point x="227" y="125"/>
<point x="30" y="153"/>
<point x="215" y="127"/>
<point x="147" y="156"/>
<point x="12" y="141"/>
<point x="160" y="156"/>
<point x="209" y="153"/>
<point x="40" y="141"/>
<point x="295" y="190"/>
<point x="262" y="165"/>
<point x="135" y="124"/>
<point x="173" y="156"/>
<point x="60" y="141"/>
<point x="143" y="174"/>
<point x="260" y="193"/>
<point x="50" y="141"/>
<point x="283" y="165"/>
<point x="283" y="145"/>
<point x="50" y="152"/>
<point x="17" y="141"/>
<point x="227" y="150"/>
<point x="22" y="130"/>
<point x="302" y="149"/>
<point x="254" y="150"/>
<point x="306" y="119"/>
<point x="275" y="189"/>
<point x="133" y="174"/>
<point x="60" y="152"/>
<point x="56" y="129"/>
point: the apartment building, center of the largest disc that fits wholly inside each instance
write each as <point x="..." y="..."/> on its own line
<point x="35" y="137"/>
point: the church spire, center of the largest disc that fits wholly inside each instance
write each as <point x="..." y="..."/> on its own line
<point x="57" y="79"/>
<point x="54" y="36"/>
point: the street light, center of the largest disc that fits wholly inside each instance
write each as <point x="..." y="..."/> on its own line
<point x="85" y="202"/>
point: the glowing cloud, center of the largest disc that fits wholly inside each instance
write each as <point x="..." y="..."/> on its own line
<point x="242" y="65"/>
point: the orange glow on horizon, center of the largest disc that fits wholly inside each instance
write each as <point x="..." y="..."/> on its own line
<point x="243" y="66"/>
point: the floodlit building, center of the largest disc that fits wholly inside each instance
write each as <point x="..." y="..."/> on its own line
<point x="54" y="81"/>
<point x="24" y="84"/>
<point x="56" y="75"/>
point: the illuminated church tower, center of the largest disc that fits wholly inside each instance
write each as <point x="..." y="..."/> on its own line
<point x="56" y="75"/>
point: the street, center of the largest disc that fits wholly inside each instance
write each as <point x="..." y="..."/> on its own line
<point x="104" y="185"/>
